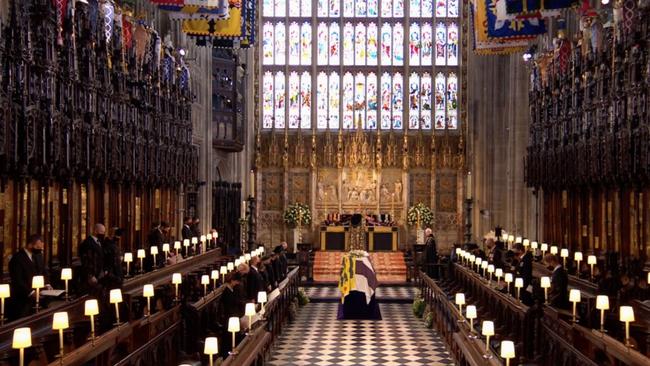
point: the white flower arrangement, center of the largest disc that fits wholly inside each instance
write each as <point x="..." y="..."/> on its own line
<point x="420" y="213"/>
<point x="297" y="214"/>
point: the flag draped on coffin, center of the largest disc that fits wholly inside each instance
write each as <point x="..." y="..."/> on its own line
<point x="497" y="36"/>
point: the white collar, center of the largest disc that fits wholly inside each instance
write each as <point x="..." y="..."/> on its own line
<point x="557" y="267"/>
<point x="29" y="254"/>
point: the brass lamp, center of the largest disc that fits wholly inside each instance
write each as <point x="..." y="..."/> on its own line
<point x="147" y="291"/>
<point x="508" y="280"/>
<point x="177" y="246"/>
<point x="224" y="271"/>
<point x="231" y="266"/>
<point x="470" y="313"/>
<point x="488" y="331"/>
<point x="564" y="253"/>
<point x="591" y="261"/>
<point x="66" y="275"/>
<point x="519" y="284"/>
<point x="602" y="304"/>
<point x="484" y="266"/>
<point x="460" y="301"/>
<point x="22" y="339"/>
<point x="202" y="239"/>
<point x="60" y="322"/>
<point x="574" y="297"/>
<point x="478" y="262"/>
<point x="626" y="315"/>
<point x="507" y="351"/>
<point x="490" y="271"/>
<point x="533" y="246"/>
<point x="499" y="273"/>
<point x="261" y="298"/>
<point x="577" y="256"/>
<point x="250" y="312"/>
<point x="233" y="327"/>
<point x="205" y="281"/>
<point x="545" y="283"/>
<point x="553" y="249"/>
<point x="141" y="255"/>
<point x="38" y="282"/>
<point x="177" y="279"/>
<point x="526" y="244"/>
<point x="186" y="244"/>
<point x="5" y="292"/>
<point x="154" y="252"/>
<point x="91" y="308"/>
<point x="211" y="348"/>
<point x="544" y="248"/>
<point x="128" y="258"/>
<point x="115" y="297"/>
<point x="214" y="276"/>
<point x="165" y="249"/>
<point x="195" y="241"/>
<point x="518" y="239"/>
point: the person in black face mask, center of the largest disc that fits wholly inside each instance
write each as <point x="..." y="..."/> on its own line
<point x="25" y="264"/>
<point x="91" y="254"/>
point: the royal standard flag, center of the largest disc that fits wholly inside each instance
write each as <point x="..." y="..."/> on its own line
<point x="512" y="29"/>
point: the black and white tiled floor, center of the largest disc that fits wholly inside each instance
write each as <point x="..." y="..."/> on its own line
<point x="316" y="337"/>
<point x="383" y="293"/>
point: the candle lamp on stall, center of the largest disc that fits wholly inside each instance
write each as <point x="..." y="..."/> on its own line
<point x="499" y="273"/>
<point x="484" y="266"/>
<point x="154" y="252"/>
<point x="165" y="249"/>
<point x="478" y="262"/>
<point x="626" y="315"/>
<point x="186" y="244"/>
<point x="115" y="297"/>
<point x="211" y="348"/>
<point x="508" y="279"/>
<point x="38" y="282"/>
<point x="490" y="271"/>
<point x="202" y="239"/>
<point x="526" y="244"/>
<point x="470" y="313"/>
<point x="60" y="323"/>
<point x="195" y="241"/>
<point x="205" y="281"/>
<point x="544" y="248"/>
<point x="128" y="258"/>
<point x="472" y="261"/>
<point x="553" y="249"/>
<point x="233" y="327"/>
<point x="262" y="299"/>
<point x="250" y="313"/>
<point x="177" y="247"/>
<point x="147" y="292"/>
<point x="231" y="266"/>
<point x="460" y="301"/>
<point x="507" y="351"/>
<point x="545" y="283"/>
<point x="519" y="239"/>
<point x="208" y="237"/>
<point x="519" y="284"/>
<point x="577" y="256"/>
<point x="66" y="275"/>
<point x="488" y="331"/>
<point x="533" y="246"/>
<point x="5" y="293"/>
<point x="91" y="308"/>
<point x="141" y="256"/>
<point x="214" y="276"/>
<point x="602" y="304"/>
<point x="564" y="253"/>
<point x="177" y="279"/>
<point x="22" y="338"/>
<point x="223" y="271"/>
<point x="574" y="298"/>
<point x="591" y="261"/>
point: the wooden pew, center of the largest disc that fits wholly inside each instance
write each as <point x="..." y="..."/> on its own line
<point x="465" y="351"/>
<point x="253" y="349"/>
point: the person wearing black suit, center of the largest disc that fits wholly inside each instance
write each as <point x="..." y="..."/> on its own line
<point x="254" y="280"/>
<point x="559" y="293"/>
<point x="156" y="238"/>
<point x="91" y="254"/>
<point x="232" y="304"/>
<point x="186" y="231"/>
<point x="196" y="228"/>
<point x="112" y="260"/>
<point x="430" y="253"/>
<point x="495" y="252"/>
<point x="281" y="251"/>
<point x="25" y="264"/>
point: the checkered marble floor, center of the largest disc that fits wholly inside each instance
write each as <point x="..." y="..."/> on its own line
<point x="316" y="337"/>
<point x="383" y="293"/>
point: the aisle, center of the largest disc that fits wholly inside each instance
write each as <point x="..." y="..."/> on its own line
<point x="317" y="338"/>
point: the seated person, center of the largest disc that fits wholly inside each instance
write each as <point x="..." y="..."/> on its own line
<point x="559" y="293"/>
<point x="232" y="304"/>
<point x="25" y="264"/>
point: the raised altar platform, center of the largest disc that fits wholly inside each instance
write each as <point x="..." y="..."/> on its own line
<point x="389" y="266"/>
<point x="339" y="238"/>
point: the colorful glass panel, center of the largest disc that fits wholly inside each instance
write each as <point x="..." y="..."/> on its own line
<point x="372" y="8"/>
<point x="321" y="100"/>
<point x="360" y="8"/>
<point x="348" y="8"/>
<point x="425" y="100"/>
<point x="305" y="44"/>
<point x="335" y="44"/>
<point x="398" y="45"/>
<point x="371" y="101"/>
<point x="398" y="8"/>
<point x="322" y="45"/>
<point x="452" y="8"/>
<point x="267" y="103"/>
<point x="440" y="87"/>
<point x="414" y="8"/>
<point x="280" y="55"/>
<point x="441" y="44"/>
<point x="305" y="8"/>
<point x="279" y="99"/>
<point x="267" y="8"/>
<point x="427" y="8"/>
<point x="322" y="8"/>
<point x="452" y="44"/>
<point x="334" y="100"/>
<point x="305" y="100"/>
<point x="371" y="50"/>
<point x="294" y="100"/>
<point x="267" y="44"/>
<point x="294" y="44"/>
<point x="386" y="44"/>
<point x="441" y="8"/>
<point x="335" y="8"/>
<point x="452" y="102"/>
<point x="280" y="8"/>
<point x="426" y="51"/>
<point x="348" y="101"/>
<point x="360" y="45"/>
<point x="398" y="101"/>
<point x="360" y="99"/>
<point x="386" y="8"/>
<point x="414" y="45"/>
<point x="385" y="101"/>
<point x="414" y="101"/>
<point x="348" y="44"/>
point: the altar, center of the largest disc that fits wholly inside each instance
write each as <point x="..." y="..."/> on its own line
<point x="377" y="238"/>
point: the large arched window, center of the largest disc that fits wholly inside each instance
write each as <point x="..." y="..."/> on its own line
<point x="379" y="63"/>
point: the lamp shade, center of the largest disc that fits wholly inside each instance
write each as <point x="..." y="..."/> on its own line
<point x="177" y="244"/>
<point x="543" y="247"/>
<point x="38" y="282"/>
<point x="154" y="250"/>
<point x="66" y="274"/>
<point x="5" y="291"/>
<point x="545" y="282"/>
<point x="128" y="257"/>
<point x="508" y="277"/>
<point x="60" y="321"/>
<point x="22" y="338"/>
<point x="511" y="238"/>
<point x="214" y="274"/>
<point x="115" y="296"/>
<point x="592" y="259"/>
<point x="458" y="250"/>
<point x="533" y="245"/>
<point x="231" y="266"/>
<point x="165" y="247"/>
<point x="237" y="262"/>
<point x="177" y="278"/>
<point x="519" y="282"/>
<point x="526" y="242"/>
<point x="202" y="238"/>
<point x="564" y="253"/>
<point x="574" y="295"/>
<point x="553" y="249"/>
<point x="250" y="309"/>
<point x="487" y="328"/>
<point x="518" y="239"/>
<point x="507" y="349"/>
<point x="504" y="236"/>
<point x="91" y="307"/>
<point x="209" y="236"/>
<point x="261" y="297"/>
<point x="247" y="257"/>
<point x="472" y="258"/>
<point x="602" y="302"/>
<point x="223" y="270"/>
<point x="484" y="264"/>
<point x="460" y="298"/>
<point x="577" y="256"/>
<point x="141" y="253"/>
<point x="211" y="346"/>
<point x="470" y="312"/>
<point x="233" y="324"/>
<point x="195" y="240"/>
<point x="498" y="272"/>
<point x="186" y="242"/>
<point x="490" y="268"/>
<point x="147" y="290"/>
<point x="479" y="261"/>
<point x="626" y="314"/>
<point x="205" y="280"/>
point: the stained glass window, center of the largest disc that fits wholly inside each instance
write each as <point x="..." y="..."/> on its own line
<point x="360" y="55"/>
